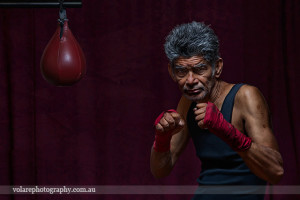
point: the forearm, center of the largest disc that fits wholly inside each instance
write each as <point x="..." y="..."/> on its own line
<point x="264" y="162"/>
<point x="161" y="163"/>
<point x="169" y="130"/>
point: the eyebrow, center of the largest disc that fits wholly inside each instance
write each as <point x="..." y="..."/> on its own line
<point x="200" y="65"/>
<point x="197" y="65"/>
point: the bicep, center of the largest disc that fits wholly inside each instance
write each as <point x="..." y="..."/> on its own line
<point x="257" y="118"/>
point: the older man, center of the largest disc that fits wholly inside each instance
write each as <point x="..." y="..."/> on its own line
<point x="229" y="123"/>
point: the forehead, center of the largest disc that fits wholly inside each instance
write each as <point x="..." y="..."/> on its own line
<point x="190" y="61"/>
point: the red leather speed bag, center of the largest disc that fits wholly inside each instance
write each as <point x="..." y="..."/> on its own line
<point x="63" y="62"/>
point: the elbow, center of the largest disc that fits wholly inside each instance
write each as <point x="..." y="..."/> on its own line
<point x="277" y="176"/>
<point x="159" y="174"/>
<point x="278" y="172"/>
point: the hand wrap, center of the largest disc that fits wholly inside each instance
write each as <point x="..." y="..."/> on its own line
<point x="162" y="140"/>
<point x="217" y="125"/>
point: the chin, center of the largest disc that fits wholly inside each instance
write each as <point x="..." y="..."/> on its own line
<point x="195" y="98"/>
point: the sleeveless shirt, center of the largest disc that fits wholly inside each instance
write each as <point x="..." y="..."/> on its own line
<point x="220" y="164"/>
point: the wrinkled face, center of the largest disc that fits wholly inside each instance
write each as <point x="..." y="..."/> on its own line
<point x="195" y="77"/>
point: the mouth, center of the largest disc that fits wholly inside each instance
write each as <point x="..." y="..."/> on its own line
<point x="193" y="92"/>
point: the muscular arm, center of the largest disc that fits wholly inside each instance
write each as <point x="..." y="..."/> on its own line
<point x="162" y="163"/>
<point x="263" y="157"/>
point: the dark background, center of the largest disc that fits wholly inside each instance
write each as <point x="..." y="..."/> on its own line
<point x="99" y="131"/>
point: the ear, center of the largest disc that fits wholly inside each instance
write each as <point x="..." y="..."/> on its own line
<point x="171" y="72"/>
<point x="218" y="67"/>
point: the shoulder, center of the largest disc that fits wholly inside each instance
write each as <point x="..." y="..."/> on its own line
<point x="248" y="91"/>
<point x="248" y="94"/>
<point x="251" y="101"/>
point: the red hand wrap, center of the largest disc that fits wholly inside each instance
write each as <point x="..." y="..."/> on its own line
<point x="162" y="140"/>
<point x="216" y="124"/>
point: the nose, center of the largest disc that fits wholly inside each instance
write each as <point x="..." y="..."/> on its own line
<point x="191" y="80"/>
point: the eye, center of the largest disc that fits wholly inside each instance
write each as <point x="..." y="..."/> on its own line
<point x="199" y="69"/>
<point x="180" y="71"/>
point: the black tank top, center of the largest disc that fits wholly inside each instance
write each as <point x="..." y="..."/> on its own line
<point x="220" y="164"/>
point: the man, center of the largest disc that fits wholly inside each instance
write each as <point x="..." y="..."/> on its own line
<point x="229" y="124"/>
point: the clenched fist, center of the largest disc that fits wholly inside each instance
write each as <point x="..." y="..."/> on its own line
<point x="200" y="112"/>
<point x="167" y="124"/>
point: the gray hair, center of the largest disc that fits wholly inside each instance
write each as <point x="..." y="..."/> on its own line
<point x="192" y="39"/>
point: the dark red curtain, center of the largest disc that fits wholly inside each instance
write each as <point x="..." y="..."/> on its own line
<point x="99" y="131"/>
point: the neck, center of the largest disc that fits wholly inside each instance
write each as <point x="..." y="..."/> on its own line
<point x="215" y="91"/>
